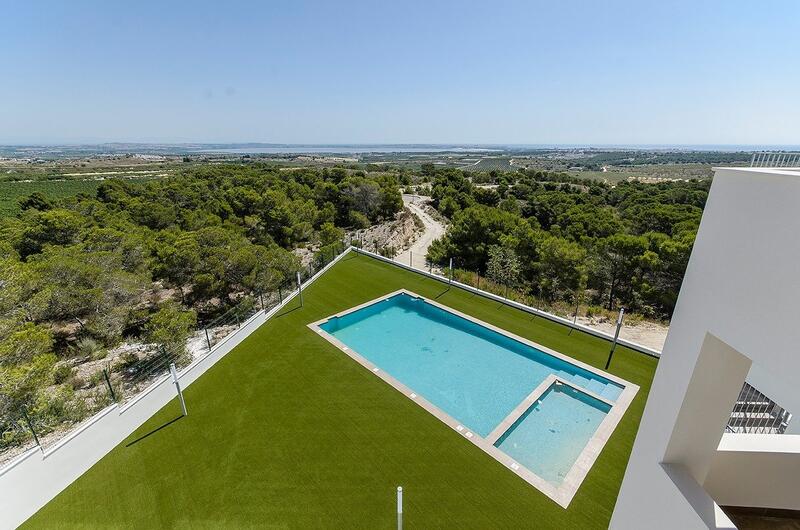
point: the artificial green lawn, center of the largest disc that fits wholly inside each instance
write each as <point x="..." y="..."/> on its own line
<point x="286" y="431"/>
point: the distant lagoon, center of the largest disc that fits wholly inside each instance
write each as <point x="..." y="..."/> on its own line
<point x="346" y="149"/>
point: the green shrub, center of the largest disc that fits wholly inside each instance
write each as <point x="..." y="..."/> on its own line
<point x="61" y="373"/>
<point x="358" y="220"/>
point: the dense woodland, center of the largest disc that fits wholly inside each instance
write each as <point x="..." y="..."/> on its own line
<point x="146" y="261"/>
<point x="565" y="239"/>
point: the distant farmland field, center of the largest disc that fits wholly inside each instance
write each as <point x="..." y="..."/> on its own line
<point x="489" y="164"/>
<point x="10" y="192"/>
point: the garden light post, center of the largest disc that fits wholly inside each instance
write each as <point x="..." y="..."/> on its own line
<point x="574" y="318"/>
<point x="300" y="288"/>
<point x="616" y="336"/>
<point x="451" y="270"/>
<point x="399" y="508"/>
<point x="174" y="373"/>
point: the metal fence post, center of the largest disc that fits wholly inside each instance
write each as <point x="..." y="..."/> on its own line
<point x="300" y="288"/>
<point x="261" y="297"/>
<point x="616" y="336"/>
<point x="30" y="426"/>
<point x="110" y="388"/>
<point x="174" y="373"/>
<point x="399" y="508"/>
<point x="208" y="339"/>
<point x="280" y="293"/>
<point x="410" y="259"/>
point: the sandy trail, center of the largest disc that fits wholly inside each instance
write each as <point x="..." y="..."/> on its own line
<point x="434" y="229"/>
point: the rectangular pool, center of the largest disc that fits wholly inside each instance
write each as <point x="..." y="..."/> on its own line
<point x="500" y="387"/>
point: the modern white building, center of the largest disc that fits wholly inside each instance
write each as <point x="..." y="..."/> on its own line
<point x="737" y="319"/>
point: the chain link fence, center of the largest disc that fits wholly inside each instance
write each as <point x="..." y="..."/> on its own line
<point x="123" y="379"/>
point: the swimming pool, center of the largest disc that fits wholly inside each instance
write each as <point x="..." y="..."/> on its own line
<point x="533" y="408"/>
<point x="564" y="421"/>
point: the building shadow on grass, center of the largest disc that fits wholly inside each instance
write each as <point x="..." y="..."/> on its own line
<point x="164" y="426"/>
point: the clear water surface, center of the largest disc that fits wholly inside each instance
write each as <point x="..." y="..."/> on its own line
<point x="550" y="436"/>
<point x="474" y="374"/>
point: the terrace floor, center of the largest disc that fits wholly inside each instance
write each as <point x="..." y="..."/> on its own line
<point x="287" y="431"/>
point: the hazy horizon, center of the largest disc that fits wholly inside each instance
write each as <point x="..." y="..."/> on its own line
<point x="447" y="146"/>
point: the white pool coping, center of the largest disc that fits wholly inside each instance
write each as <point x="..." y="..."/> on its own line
<point x="562" y="494"/>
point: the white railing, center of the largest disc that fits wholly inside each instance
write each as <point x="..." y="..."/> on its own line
<point x="775" y="159"/>
<point x="755" y="413"/>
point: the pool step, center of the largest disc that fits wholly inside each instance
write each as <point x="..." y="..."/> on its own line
<point x="596" y="386"/>
<point x="611" y="392"/>
<point x="580" y="381"/>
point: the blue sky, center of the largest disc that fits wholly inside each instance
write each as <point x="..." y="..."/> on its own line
<point x="722" y="72"/>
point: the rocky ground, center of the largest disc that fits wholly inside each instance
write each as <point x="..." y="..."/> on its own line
<point x="391" y="237"/>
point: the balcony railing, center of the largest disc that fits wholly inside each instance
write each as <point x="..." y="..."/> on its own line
<point x="775" y="159"/>
<point x="756" y="413"/>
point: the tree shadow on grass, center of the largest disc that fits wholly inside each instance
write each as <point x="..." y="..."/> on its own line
<point x="139" y="439"/>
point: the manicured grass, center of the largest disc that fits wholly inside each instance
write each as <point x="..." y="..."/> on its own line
<point x="286" y="431"/>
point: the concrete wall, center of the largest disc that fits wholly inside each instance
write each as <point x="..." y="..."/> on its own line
<point x="713" y="388"/>
<point x="30" y="481"/>
<point x="756" y="470"/>
<point x="742" y="287"/>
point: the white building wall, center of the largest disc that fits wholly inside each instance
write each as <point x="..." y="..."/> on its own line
<point x="742" y="286"/>
<point x="757" y="470"/>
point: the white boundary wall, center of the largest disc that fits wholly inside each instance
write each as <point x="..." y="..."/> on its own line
<point x="517" y="305"/>
<point x="35" y="477"/>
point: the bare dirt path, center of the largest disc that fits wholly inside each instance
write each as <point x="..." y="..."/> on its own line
<point x="434" y="229"/>
<point x="646" y="333"/>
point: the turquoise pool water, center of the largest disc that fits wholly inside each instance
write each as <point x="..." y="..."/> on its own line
<point x="551" y="434"/>
<point x="472" y="373"/>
